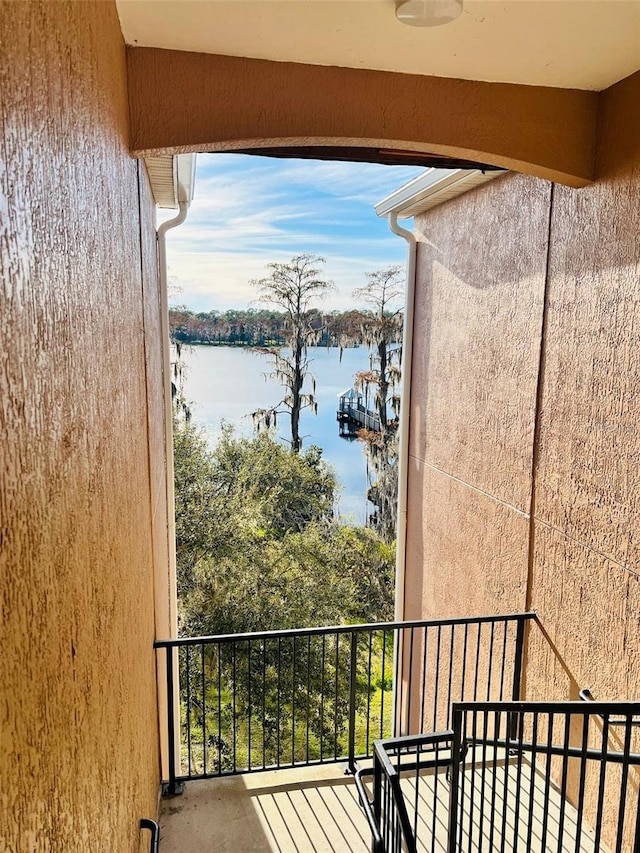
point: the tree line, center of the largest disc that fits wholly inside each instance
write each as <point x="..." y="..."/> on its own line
<point x="263" y="327"/>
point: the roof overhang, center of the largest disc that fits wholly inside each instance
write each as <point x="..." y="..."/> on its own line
<point x="572" y="44"/>
<point x="431" y="188"/>
<point x="172" y="179"/>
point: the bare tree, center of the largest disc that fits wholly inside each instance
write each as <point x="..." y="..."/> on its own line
<point x="381" y="331"/>
<point x="292" y="287"/>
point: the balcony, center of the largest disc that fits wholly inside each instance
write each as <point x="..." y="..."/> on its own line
<point x="390" y="736"/>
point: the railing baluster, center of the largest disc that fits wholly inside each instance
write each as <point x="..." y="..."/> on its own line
<point x="249" y="704"/>
<point x="293" y="702"/>
<point x="437" y="681"/>
<point x="278" y="704"/>
<point x="171" y="722"/>
<point x="219" y="707"/>
<point x="623" y="786"/>
<point x="188" y="680"/>
<point x="335" y="700"/>
<point x="235" y="717"/>
<point x="322" y="678"/>
<point x="410" y="682"/>
<point x="308" y="694"/>
<point x="383" y="678"/>
<point x="353" y="674"/>
<point x="264" y="703"/>
<point x="204" y="713"/>
<point x="367" y="750"/>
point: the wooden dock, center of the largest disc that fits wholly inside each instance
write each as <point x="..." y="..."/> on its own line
<point x="353" y="415"/>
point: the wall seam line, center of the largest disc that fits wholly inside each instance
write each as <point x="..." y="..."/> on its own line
<point x="535" y="450"/>
<point x="146" y="389"/>
<point x="470" y="486"/>
<point x="587" y="547"/>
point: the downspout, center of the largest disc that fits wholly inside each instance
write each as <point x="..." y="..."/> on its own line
<point x="405" y="409"/>
<point x="168" y="411"/>
<point x="169" y="761"/>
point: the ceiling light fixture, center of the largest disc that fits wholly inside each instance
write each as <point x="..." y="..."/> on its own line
<point x="427" y="13"/>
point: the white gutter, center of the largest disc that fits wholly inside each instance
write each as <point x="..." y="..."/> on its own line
<point x="405" y="408"/>
<point x="184" y="175"/>
<point x="168" y="412"/>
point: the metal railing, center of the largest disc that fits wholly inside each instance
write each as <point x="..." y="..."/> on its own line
<point x="250" y="702"/>
<point x="558" y="776"/>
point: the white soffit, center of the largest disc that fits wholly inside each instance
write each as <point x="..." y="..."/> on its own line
<point x="581" y="44"/>
<point x="431" y="188"/>
<point x="172" y="178"/>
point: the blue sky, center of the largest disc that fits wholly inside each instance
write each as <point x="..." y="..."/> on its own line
<point x="249" y="211"/>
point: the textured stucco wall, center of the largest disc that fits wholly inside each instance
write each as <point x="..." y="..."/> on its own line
<point x="585" y="580"/>
<point x="524" y="485"/>
<point x="476" y="351"/>
<point x="489" y="444"/>
<point x="78" y="732"/>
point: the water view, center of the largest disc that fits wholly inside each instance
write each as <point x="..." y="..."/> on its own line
<point x="225" y="384"/>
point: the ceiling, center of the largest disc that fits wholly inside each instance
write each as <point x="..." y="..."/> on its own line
<point x="582" y="44"/>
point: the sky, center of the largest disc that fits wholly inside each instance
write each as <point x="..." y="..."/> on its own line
<point x="249" y="211"/>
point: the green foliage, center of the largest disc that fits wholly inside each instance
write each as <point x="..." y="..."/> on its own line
<point x="257" y="545"/>
<point x="258" y="549"/>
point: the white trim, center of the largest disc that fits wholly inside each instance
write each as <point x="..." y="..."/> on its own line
<point x="431" y="188"/>
<point x="172" y="178"/>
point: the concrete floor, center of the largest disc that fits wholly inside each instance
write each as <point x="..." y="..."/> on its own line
<point x="306" y="810"/>
<point x="316" y="810"/>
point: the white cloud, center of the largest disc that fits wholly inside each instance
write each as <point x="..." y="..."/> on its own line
<point x="250" y="211"/>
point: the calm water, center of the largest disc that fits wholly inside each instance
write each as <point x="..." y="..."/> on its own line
<point x="228" y="383"/>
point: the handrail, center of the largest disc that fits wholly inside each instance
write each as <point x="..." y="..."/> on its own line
<point x="154" y="829"/>
<point x="586" y="695"/>
<point x="367" y="807"/>
<point x="340" y="629"/>
<point x="383" y="767"/>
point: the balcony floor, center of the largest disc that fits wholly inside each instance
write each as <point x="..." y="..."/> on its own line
<point x="310" y="809"/>
<point x="316" y="810"/>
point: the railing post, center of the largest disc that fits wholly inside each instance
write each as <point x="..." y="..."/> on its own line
<point x="351" y="761"/>
<point x="456" y="758"/>
<point x="172" y="788"/>
<point x="517" y="676"/>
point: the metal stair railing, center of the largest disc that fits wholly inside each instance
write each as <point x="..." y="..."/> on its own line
<point x="509" y="776"/>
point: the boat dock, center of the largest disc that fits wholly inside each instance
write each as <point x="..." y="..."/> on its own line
<point x="353" y="415"/>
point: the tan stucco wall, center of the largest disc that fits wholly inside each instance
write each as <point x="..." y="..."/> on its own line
<point x="494" y="435"/>
<point x="200" y="102"/>
<point x="79" y="759"/>
<point x="476" y="342"/>
<point x="585" y="580"/>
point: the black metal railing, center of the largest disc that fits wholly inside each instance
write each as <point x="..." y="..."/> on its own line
<point x="519" y="776"/>
<point x="248" y="702"/>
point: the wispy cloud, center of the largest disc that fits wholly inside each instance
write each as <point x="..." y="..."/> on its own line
<point x="249" y="211"/>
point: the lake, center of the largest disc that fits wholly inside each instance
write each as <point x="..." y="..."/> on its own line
<point x="228" y="383"/>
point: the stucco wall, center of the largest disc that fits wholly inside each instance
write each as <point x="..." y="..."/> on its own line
<point x="524" y="486"/>
<point x="476" y="343"/>
<point x="78" y="732"/>
<point x="585" y="580"/>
